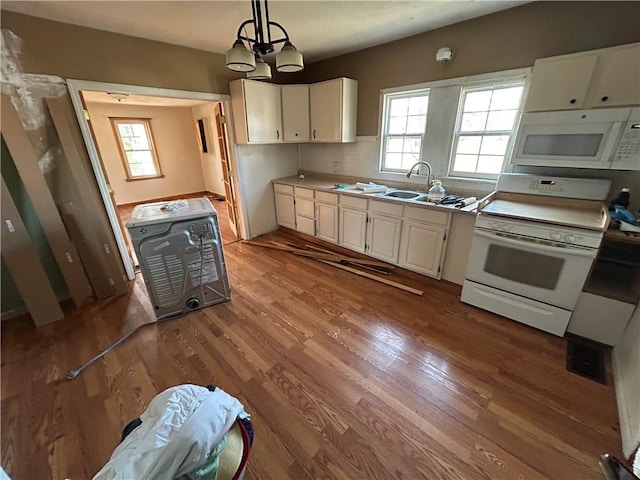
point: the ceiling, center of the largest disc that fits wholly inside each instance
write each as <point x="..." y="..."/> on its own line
<point x="319" y="29"/>
<point x="133" y="99"/>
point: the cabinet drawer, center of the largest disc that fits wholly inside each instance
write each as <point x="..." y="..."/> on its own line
<point x="305" y="225"/>
<point x="326" y="197"/>
<point x="284" y="189"/>
<point x="305" y="207"/>
<point x="427" y="215"/>
<point x="353" y="202"/>
<point x="386" y="208"/>
<point x="304" y="192"/>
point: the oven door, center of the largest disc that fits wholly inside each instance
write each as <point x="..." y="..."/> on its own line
<point x="547" y="273"/>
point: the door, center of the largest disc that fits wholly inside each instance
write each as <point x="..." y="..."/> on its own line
<point x="264" y="112"/>
<point x="383" y="237"/>
<point x="295" y="113"/>
<point x="227" y="173"/>
<point x="285" y="211"/>
<point x="325" y="105"/>
<point x="421" y="248"/>
<point x="353" y="229"/>
<point x="549" y="274"/>
<point x="327" y="216"/>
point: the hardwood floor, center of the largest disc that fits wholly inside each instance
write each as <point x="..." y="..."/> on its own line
<point x="344" y="378"/>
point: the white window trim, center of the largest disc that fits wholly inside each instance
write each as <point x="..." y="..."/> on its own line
<point x="385" y="126"/>
<point x="451" y="173"/>
<point x="467" y="81"/>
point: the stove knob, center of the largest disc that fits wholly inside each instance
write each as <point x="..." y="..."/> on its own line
<point x="556" y="236"/>
<point x="569" y="238"/>
<point x="506" y="227"/>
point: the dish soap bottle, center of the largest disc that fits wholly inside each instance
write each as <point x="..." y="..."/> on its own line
<point x="436" y="192"/>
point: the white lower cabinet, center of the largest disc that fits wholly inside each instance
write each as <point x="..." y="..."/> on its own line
<point x="423" y="240"/>
<point x="383" y="237"/>
<point x="353" y="228"/>
<point x="422" y="247"/>
<point x="327" y="217"/>
<point x="285" y="210"/>
<point x="409" y="236"/>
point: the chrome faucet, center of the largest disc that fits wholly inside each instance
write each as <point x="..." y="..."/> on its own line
<point x="410" y="172"/>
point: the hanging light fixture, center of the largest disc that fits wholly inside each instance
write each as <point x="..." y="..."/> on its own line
<point x="262" y="71"/>
<point x="241" y="59"/>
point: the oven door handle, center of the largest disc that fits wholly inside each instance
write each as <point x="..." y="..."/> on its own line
<point x="537" y="246"/>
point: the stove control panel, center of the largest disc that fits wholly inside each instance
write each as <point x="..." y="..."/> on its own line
<point x="546" y="185"/>
<point x="541" y="231"/>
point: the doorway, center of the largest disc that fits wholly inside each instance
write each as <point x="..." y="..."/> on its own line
<point x="220" y="115"/>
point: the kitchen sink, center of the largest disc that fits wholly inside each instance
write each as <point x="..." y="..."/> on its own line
<point x="402" y="194"/>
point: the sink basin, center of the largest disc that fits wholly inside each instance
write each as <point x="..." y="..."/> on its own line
<point x="423" y="199"/>
<point x="402" y="194"/>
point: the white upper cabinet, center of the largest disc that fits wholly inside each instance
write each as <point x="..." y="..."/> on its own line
<point x="332" y="106"/>
<point x="257" y="111"/>
<point x="295" y="113"/>
<point x="600" y="78"/>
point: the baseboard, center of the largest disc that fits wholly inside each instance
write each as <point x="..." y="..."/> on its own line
<point x="16" y="312"/>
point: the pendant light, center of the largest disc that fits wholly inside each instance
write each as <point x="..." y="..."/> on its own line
<point x="242" y="59"/>
<point x="262" y="71"/>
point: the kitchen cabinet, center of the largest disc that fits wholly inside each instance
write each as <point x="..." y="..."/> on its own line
<point x="423" y="240"/>
<point x="384" y="225"/>
<point x="305" y="210"/>
<point x="600" y="78"/>
<point x="295" y="113"/>
<point x="611" y="293"/>
<point x="285" y="211"/>
<point x="332" y="108"/>
<point x="327" y="216"/>
<point x="257" y="111"/>
<point x="353" y="223"/>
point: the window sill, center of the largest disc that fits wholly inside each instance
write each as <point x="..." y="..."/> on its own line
<point x="137" y="179"/>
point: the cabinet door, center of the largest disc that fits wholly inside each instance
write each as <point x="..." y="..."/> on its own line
<point x="285" y="211"/>
<point x="421" y="247"/>
<point x="306" y="225"/>
<point x="295" y="113"/>
<point x="327" y="216"/>
<point x="560" y="83"/>
<point x="383" y="237"/>
<point x="325" y="105"/>
<point x="353" y="226"/>
<point x="263" y="112"/>
<point x="616" y="81"/>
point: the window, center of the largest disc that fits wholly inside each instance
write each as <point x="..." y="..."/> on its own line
<point x="484" y="129"/>
<point x="403" y="130"/>
<point x="136" y="148"/>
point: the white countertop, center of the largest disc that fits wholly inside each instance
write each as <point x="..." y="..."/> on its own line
<point x="328" y="184"/>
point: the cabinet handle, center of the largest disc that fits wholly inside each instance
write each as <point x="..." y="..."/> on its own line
<point x="314" y="133"/>
<point x="605" y="98"/>
<point x="278" y="134"/>
<point x="573" y="100"/>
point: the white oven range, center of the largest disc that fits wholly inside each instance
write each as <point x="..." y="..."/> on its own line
<point x="533" y="251"/>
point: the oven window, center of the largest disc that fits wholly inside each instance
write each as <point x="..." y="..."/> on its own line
<point x="563" y="145"/>
<point x="524" y="267"/>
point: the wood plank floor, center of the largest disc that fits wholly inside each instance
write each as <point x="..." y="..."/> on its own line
<point x="344" y="378"/>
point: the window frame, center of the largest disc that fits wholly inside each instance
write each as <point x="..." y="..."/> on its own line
<point x="504" y="82"/>
<point x="386" y="97"/>
<point x="123" y="152"/>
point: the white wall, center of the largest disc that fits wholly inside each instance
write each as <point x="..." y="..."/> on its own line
<point x="626" y="373"/>
<point x="257" y="165"/>
<point x="210" y="162"/>
<point x="176" y="146"/>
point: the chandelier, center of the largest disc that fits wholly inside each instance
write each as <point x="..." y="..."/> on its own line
<point x="242" y="59"/>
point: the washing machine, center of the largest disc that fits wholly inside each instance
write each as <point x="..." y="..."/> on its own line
<point x="180" y="253"/>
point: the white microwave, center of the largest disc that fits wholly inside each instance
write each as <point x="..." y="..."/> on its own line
<point x="603" y="138"/>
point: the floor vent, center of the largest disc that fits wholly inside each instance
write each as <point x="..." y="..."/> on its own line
<point x="586" y="358"/>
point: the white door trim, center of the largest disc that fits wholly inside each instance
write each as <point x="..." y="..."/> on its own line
<point x="75" y="87"/>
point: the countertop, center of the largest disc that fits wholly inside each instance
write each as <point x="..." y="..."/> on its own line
<point x="328" y="183"/>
